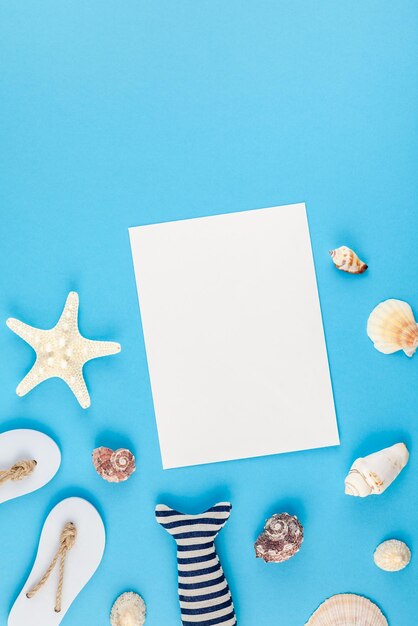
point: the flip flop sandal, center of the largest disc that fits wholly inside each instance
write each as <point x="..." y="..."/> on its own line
<point x="29" y="459"/>
<point x="70" y="550"/>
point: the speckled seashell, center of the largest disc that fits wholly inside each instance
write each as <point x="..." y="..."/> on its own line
<point x="347" y="609"/>
<point x="392" y="327"/>
<point x="347" y="260"/>
<point x="392" y="555"/>
<point x="280" y="540"/>
<point x="374" y="473"/>
<point x="128" y="610"/>
<point x="115" y="466"/>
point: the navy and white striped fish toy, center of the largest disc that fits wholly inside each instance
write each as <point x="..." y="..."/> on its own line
<point x="204" y="594"/>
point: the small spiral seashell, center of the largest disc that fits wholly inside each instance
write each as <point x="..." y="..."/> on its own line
<point x="128" y="610"/>
<point x="392" y="555"/>
<point x="114" y="466"/>
<point x="347" y="260"/>
<point x="280" y="540"/>
<point x="392" y="327"/>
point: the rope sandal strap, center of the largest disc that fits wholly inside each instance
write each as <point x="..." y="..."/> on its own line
<point x="67" y="541"/>
<point x="19" y="470"/>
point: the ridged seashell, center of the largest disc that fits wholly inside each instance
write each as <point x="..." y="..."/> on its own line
<point x="373" y="474"/>
<point x="392" y="327"/>
<point x="115" y="466"/>
<point x="347" y="609"/>
<point x="280" y="540"/>
<point x="347" y="260"/>
<point x="392" y="555"/>
<point x="128" y="610"/>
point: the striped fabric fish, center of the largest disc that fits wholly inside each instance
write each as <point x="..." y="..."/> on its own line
<point x="205" y="599"/>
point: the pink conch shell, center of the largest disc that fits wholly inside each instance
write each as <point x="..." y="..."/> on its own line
<point x="347" y="260"/>
<point x="115" y="466"/>
<point x="280" y="540"/>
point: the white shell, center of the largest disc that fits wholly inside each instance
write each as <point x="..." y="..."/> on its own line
<point x="392" y="555"/>
<point x="347" y="609"/>
<point x="347" y="260"/>
<point x="392" y="327"/>
<point x="373" y="474"/>
<point x="128" y="610"/>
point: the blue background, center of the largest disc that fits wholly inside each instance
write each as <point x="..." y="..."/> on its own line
<point x="116" y="114"/>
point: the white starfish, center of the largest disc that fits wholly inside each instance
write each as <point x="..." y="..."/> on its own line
<point x="61" y="352"/>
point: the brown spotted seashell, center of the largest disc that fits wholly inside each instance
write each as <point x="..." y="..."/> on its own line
<point x="347" y="260"/>
<point x="280" y="540"/>
<point x="115" y="466"/>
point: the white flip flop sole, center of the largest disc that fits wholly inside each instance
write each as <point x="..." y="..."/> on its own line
<point x="80" y="564"/>
<point x="26" y="444"/>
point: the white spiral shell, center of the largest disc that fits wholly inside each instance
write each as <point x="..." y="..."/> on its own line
<point x="392" y="555"/>
<point x="374" y="473"/>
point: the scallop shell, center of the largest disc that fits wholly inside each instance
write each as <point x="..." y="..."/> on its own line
<point x="280" y="540"/>
<point x="347" y="609"/>
<point x="392" y="327"/>
<point x="347" y="260"/>
<point x="128" y="610"/>
<point x="392" y="555"/>
<point x="115" y="466"/>
<point x="373" y="474"/>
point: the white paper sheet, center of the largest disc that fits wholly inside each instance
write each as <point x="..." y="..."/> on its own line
<point x="234" y="337"/>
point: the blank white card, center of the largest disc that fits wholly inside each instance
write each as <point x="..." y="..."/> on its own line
<point x="234" y="337"/>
